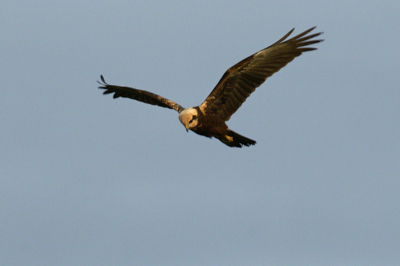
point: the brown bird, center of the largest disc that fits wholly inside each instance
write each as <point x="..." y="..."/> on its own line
<point x="238" y="82"/>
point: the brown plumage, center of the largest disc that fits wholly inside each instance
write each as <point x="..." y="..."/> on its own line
<point x="232" y="90"/>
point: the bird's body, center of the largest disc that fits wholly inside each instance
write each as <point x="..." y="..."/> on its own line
<point x="212" y="126"/>
<point x="238" y="82"/>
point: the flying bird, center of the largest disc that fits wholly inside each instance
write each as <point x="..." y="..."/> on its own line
<point x="237" y="83"/>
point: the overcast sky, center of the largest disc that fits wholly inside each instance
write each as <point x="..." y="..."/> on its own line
<point x="89" y="180"/>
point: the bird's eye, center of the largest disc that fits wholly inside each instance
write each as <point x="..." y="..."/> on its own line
<point x="193" y="118"/>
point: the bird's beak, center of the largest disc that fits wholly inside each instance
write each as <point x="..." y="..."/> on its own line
<point x="187" y="128"/>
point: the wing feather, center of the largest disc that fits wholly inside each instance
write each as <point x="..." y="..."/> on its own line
<point x="239" y="81"/>
<point x="138" y="95"/>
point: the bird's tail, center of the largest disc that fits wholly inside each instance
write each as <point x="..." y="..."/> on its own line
<point x="233" y="139"/>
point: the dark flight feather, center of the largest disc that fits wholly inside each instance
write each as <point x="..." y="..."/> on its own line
<point x="139" y="95"/>
<point x="239" y="81"/>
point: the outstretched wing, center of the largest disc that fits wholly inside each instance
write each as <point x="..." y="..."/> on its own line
<point x="242" y="79"/>
<point x="139" y="95"/>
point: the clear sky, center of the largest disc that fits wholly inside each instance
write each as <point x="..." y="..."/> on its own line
<point x="88" y="180"/>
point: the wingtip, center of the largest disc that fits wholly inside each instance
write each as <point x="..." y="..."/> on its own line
<point x="103" y="81"/>
<point x="318" y="33"/>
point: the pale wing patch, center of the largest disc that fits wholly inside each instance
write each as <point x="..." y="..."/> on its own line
<point x="229" y="138"/>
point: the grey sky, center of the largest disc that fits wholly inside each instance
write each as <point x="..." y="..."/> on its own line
<point x="88" y="180"/>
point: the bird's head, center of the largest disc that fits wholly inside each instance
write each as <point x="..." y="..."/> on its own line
<point x="188" y="118"/>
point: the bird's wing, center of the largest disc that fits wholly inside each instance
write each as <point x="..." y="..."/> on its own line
<point x="139" y="95"/>
<point x="242" y="79"/>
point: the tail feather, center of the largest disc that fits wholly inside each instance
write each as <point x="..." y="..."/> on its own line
<point x="233" y="139"/>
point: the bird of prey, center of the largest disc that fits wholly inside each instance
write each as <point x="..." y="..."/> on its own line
<point x="238" y="82"/>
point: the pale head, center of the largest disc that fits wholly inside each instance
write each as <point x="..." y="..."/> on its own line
<point x="188" y="118"/>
